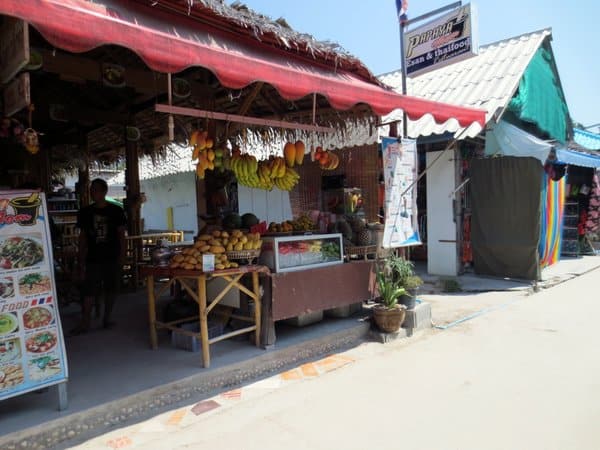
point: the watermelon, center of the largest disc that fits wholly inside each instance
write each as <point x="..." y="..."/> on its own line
<point x="232" y="221"/>
<point x="249" y="220"/>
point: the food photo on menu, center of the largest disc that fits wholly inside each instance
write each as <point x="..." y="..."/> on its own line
<point x="11" y="375"/>
<point x="17" y="252"/>
<point x="7" y="288"/>
<point x="41" y="342"/>
<point x="38" y="317"/>
<point x="9" y="323"/>
<point x="10" y="350"/>
<point x="44" y="367"/>
<point x="35" y="283"/>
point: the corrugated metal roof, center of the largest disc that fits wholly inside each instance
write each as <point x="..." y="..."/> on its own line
<point x="487" y="81"/>
<point x="586" y="139"/>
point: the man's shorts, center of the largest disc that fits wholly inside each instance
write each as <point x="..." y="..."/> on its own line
<point x="101" y="278"/>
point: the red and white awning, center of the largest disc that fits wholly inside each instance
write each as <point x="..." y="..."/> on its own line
<point x="170" y="43"/>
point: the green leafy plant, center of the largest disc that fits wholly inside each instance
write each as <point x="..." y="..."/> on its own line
<point x="412" y="282"/>
<point x="402" y="268"/>
<point x="389" y="288"/>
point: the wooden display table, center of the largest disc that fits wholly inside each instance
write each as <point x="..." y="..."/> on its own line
<point x="194" y="283"/>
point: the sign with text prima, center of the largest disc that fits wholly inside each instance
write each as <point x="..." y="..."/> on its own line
<point x="446" y="40"/>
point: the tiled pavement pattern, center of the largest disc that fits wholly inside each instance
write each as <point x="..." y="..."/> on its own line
<point x="149" y="433"/>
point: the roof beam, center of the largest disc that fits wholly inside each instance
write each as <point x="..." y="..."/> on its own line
<point x="177" y="110"/>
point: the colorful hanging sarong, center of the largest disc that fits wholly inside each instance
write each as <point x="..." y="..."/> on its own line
<point x="553" y="203"/>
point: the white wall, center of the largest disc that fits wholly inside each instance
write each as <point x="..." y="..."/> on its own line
<point x="442" y="257"/>
<point x="268" y="206"/>
<point x="179" y="192"/>
<point x="176" y="191"/>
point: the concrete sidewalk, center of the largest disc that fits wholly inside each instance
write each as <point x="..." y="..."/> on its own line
<point x="565" y="269"/>
<point x="479" y="295"/>
<point x="147" y="389"/>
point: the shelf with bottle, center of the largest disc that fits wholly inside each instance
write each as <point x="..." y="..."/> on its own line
<point x="62" y="205"/>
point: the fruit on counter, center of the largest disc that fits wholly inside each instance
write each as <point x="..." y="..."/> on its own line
<point x="289" y="153"/>
<point x="217" y="243"/>
<point x="249" y="220"/>
<point x="303" y="223"/>
<point x="232" y="221"/>
<point x="190" y="258"/>
<point x="237" y="241"/>
<point x="358" y="223"/>
<point x="364" y="238"/>
<point x="300" y="150"/>
<point x="331" y="250"/>
<point x="282" y="227"/>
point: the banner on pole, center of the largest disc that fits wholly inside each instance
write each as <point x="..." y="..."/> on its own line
<point x="400" y="172"/>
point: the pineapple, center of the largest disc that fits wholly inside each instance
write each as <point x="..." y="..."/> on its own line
<point x="364" y="238"/>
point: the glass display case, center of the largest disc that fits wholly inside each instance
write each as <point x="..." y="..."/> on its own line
<point x="291" y="253"/>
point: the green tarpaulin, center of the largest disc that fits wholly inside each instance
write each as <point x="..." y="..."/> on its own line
<point x="540" y="99"/>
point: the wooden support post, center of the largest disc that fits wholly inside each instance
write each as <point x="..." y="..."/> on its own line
<point x="257" y="307"/>
<point x="83" y="185"/>
<point x="132" y="182"/>
<point x="133" y="204"/>
<point x="152" y="311"/>
<point x="203" y="321"/>
<point x="267" y="325"/>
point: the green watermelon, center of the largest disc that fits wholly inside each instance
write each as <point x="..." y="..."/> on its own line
<point x="249" y="220"/>
<point x="232" y="221"/>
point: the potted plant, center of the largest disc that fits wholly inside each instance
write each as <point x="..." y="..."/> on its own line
<point x="388" y="314"/>
<point x="401" y="268"/>
<point x="411" y="285"/>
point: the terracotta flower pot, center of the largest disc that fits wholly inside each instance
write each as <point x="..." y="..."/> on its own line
<point x="389" y="319"/>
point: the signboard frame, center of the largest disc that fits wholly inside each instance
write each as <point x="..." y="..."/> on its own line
<point x="38" y="357"/>
<point x="448" y="39"/>
<point x="400" y="160"/>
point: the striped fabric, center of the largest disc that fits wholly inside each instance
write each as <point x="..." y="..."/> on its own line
<point x="553" y="202"/>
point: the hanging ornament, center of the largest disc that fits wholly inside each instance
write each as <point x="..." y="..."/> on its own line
<point x="30" y="136"/>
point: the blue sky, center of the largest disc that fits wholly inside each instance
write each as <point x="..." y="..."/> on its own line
<point x="369" y="30"/>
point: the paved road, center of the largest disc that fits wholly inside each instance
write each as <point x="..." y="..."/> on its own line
<point x="523" y="377"/>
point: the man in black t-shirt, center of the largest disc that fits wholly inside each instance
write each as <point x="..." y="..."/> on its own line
<point x="102" y="250"/>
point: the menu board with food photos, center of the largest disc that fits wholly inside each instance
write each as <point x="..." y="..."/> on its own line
<point x="32" y="350"/>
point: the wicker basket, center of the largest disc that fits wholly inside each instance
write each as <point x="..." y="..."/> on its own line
<point x="249" y="256"/>
<point x="360" y="251"/>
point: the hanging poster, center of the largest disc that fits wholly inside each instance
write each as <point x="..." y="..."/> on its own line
<point x="400" y="172"/>
<point x="32" y="351"/>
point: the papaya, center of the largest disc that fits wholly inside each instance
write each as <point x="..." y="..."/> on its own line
<point x="194" y="138"/>
<point x="289" y="152"/>
<point x="300" y="150"/>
